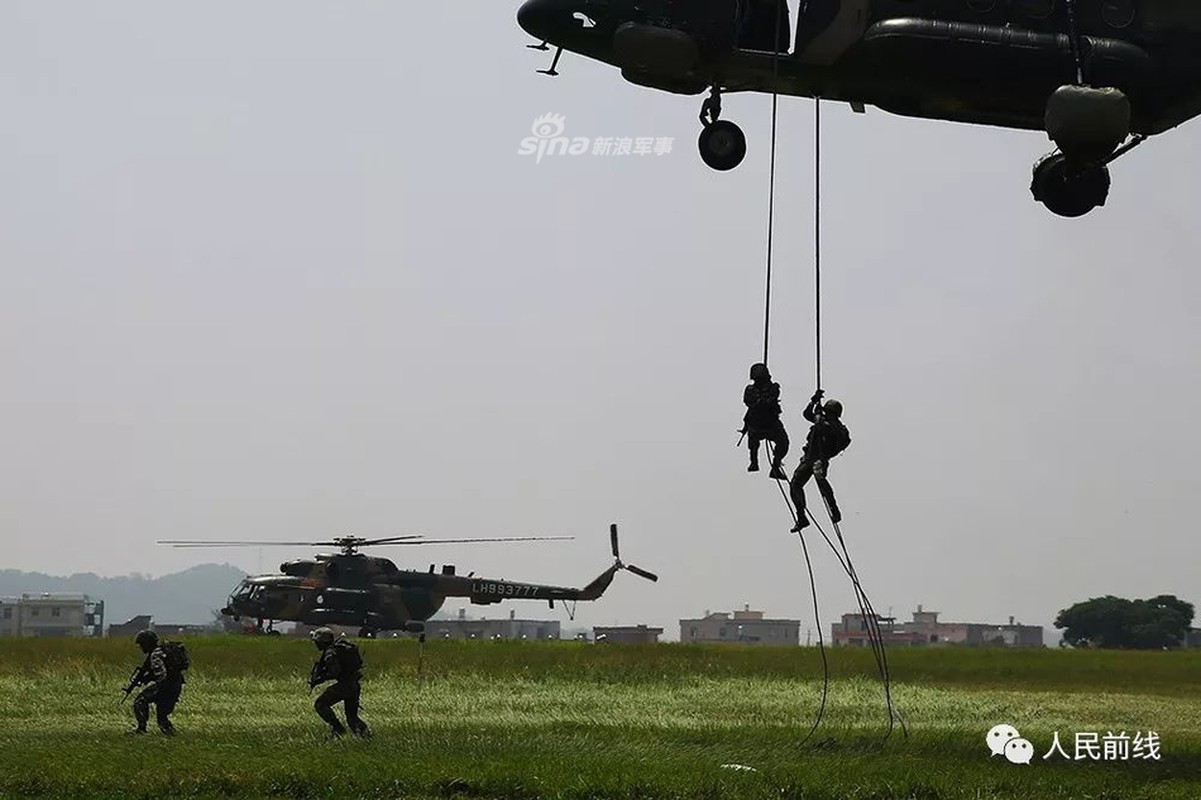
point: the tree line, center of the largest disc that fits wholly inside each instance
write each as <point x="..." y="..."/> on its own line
<point x="1161" y="622"/>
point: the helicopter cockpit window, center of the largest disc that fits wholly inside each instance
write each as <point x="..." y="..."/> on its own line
<point x="246" y="592"/>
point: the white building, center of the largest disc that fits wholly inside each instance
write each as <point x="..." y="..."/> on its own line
<point x="49" y="614"/>
<point x="485" y="629"/>
<point x="743" y="627"/>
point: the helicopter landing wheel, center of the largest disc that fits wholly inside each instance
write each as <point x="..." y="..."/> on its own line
<point x="366" y="633"/>
<point x="722" y="145"/>
<point x="1067" y="189"/>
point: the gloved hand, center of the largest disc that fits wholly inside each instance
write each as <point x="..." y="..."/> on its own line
<point x="817" y="395"/>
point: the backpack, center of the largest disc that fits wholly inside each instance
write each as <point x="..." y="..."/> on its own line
<point x="348" y="656"/>
<point x="176" y="657"/>
<point x="837" y="439"/>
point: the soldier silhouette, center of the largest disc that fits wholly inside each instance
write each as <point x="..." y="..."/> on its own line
<point x="827" y="438"/>
<point x="762" y="419"/>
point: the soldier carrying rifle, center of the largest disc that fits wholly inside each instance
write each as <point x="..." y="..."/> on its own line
<point x="163" y="669"/>
<point x="340" y="662"/>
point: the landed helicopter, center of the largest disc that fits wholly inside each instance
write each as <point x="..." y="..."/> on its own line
<point x="349" y="588"/>
<point x="1090" y="73"/>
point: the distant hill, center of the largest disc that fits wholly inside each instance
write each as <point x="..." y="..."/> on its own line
<point x="183" y="598"/>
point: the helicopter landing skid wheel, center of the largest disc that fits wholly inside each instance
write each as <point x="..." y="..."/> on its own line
<point x="1068" y="188"/>
<point x="722" y="145"/>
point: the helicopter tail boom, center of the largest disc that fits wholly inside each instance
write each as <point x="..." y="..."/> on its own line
<point x="484" y="590"/>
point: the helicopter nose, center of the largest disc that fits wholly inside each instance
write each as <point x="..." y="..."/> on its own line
<point x="549" y="19"/>
<point x="535" y="17"/>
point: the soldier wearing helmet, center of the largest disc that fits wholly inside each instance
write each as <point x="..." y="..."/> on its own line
<point x="163" y="671"/>
<point x="340" y="662"/>
<point x="827" y="438"/>
<point x="762" y="419"/>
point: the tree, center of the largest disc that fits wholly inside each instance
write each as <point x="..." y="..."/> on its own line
<point x="1114" y="622"/>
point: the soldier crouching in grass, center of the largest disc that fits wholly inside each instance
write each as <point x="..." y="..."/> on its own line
<point x="163" y="669"/>
<point x="341" y="663"/>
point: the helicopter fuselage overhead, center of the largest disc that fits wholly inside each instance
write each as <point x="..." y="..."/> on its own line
<point x="973" y="61"/>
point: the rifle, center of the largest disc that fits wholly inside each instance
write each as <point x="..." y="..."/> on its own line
<point x="314" y="676"/>
<point x="134" y="680"/>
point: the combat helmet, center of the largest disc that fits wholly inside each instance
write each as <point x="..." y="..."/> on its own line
<point x="324" y="637"/>
<point x="147" y="640"/>
<point x="759" y="371"/>
<point x="833" y="408"/>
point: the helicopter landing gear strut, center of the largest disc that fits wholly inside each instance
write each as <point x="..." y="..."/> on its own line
<point x="1087" y="123"/>
<point x="722" y="143"/>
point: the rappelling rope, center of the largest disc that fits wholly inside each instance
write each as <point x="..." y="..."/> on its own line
<point x="816" y="615"/>
<point x="867" y="612"/>
<point x="817" y="228"/>
<point x="771" y="198"/>
<point x="771" y="182"/>
<point x="875" y="637"/>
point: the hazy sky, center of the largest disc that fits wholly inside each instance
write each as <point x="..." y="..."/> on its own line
<point x="276" y="270"/>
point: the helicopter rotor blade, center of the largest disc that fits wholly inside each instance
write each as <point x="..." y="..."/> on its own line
<point x="387" y="540"/>
<point x="243" y="543"/>
<point x="650" y="576"/>
<point x="351" y="541"/>
<point x="500" y="539"/>
<point x="184" y="543"/>
<point x="613" y="540"/>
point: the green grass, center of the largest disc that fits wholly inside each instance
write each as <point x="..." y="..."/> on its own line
<point x="571" y="720"/>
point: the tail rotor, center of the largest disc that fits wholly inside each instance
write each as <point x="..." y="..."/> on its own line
<point x="642" y="573"/>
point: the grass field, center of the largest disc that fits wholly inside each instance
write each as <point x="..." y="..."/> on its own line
<point x="573" y="720"/>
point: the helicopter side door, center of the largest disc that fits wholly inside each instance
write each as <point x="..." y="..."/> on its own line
<point x="763" y="25"/>
<point x="826" y="29"/>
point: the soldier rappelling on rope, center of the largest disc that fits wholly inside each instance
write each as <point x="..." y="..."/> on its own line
<point x="762" y="420"/>
<point x="827" y="438"/>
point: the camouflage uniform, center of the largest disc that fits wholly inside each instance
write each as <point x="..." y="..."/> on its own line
<point x="827" y="438"/>
<point x="346" y="688"/>
<point x="164" y="691"/>
<point x="762" y="419"/>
